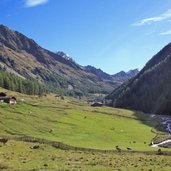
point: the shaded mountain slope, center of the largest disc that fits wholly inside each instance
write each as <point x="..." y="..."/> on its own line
<point x="150" y="90"/>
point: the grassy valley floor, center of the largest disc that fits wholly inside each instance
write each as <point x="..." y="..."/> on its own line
<point x="18" y="156"/>
<point x="73" y="122"/>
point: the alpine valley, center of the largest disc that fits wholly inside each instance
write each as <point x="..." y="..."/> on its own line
<point x="42" y="126"/>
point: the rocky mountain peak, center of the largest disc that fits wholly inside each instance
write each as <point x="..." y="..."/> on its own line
<point x="65" y="56"/>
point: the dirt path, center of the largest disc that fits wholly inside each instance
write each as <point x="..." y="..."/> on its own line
<point x="163" y="143"/>
<point x="165" y="121"/>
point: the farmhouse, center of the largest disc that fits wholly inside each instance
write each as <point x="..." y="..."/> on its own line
<point x="96" y="104"/>
<point x="10" y="100"/>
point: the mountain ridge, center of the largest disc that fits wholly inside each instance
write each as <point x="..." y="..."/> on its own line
<point x="23" y="57"/>
<point x="120" y="76"/>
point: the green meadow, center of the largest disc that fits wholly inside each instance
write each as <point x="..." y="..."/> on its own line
<point x="74" y="122"/>
<point x="18" y="156"/>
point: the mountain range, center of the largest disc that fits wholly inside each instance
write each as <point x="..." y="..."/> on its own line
<point x="24" y="58"/>
<point x="119" y="77"/>
<point x="150" y="90"/>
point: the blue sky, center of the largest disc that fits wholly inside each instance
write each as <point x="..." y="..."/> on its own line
<point x="113" y="35"/>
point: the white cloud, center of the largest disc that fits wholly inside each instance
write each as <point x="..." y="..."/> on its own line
<point x="164" y="16"/>
<point x="32" y="3"/>
<point x="166" y="33"/>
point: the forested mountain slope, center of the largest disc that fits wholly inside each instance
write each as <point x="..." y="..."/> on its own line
<point x="150" y="90"/>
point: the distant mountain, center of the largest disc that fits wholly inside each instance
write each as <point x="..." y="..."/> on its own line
<point x="104" y="76"/>
<point x="58" y="71"/>
<point x="119" y="77"/>
<point x="150" y="90"/>
<point x="123" y="76"/>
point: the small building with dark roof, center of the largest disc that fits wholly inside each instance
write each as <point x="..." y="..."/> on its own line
<point x="10" y="100"/>
<point x="96" y="104"/>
